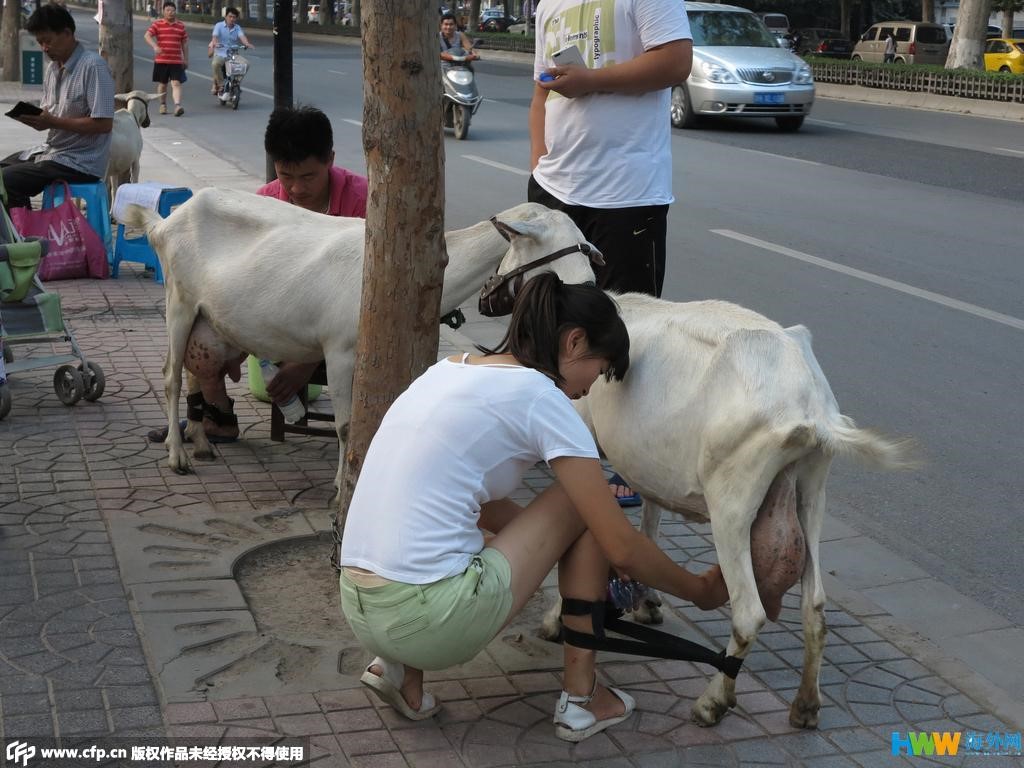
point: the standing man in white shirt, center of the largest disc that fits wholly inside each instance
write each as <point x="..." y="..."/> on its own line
<point x="600" y="134"/>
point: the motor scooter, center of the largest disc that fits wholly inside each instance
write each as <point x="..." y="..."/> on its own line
<point x="460" y="98"/>
<point x="235" y="67"/>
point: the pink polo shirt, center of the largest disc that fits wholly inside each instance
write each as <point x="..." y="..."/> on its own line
<point x="348" y="193"/>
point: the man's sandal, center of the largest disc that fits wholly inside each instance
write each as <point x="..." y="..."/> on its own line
<point x="388" y="688"/>
<point x="574" y="723"/>
<point x="163" y="109"/>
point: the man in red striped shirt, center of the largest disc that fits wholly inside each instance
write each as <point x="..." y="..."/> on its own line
<point x="169" y="40"/>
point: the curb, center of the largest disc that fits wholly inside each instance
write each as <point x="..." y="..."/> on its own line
<point x="1001" y="110"/>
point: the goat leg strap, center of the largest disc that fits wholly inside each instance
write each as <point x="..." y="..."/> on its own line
<point x="647" y="642"/>
<point x="195" y="403"/>
<point x="218" y="417"/>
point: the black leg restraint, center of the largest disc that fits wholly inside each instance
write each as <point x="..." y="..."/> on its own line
<point x="218" y="417"/>
<point x="648" y="642"/>
<point x="195" y="404"/>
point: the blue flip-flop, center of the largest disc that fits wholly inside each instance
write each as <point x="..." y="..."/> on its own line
<point x="633" y="500"/>
<point x="160" y="435"/>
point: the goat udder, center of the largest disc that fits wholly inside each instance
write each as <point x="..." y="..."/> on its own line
<point x="777" y="545"/>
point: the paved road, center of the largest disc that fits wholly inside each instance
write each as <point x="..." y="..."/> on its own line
<point x="893" y="234"/>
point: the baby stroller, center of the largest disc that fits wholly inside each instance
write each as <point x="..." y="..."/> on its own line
<point x="31" y="315"/>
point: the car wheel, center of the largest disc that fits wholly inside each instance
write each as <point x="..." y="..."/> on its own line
<point x="681" y="111"/>
<point x="789" y="124"/>
<point x="1005" y="69"/>
<point x="899" y="61"/>
<point x="855" y="57"/>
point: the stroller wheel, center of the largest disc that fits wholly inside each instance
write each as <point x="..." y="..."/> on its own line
<point x="94" y="381"/>
<point x="68" y="384"/>
<point x="5" y="400"/>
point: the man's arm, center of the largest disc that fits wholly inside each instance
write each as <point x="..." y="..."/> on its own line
<point x="660" y="67"/>
<point x="151" y="41"/>
<point x="184" y="52"/>
<point x="538" y="147"/>
<point x="85" y="125"/>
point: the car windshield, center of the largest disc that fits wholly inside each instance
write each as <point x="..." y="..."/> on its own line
<point x="729" y="28"/>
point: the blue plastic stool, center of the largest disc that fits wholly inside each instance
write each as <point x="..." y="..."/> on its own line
<point x="138" y="249"/>
<point x="97" y="207"/>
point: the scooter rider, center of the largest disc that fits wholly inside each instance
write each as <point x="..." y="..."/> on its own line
<point x="451" y="37"/>
<point x="226" y="34"/>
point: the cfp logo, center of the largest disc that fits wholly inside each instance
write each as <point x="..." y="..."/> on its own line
<point x="19" y="752"/>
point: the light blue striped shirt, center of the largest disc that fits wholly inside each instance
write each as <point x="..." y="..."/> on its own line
<point x="85" y="88"/>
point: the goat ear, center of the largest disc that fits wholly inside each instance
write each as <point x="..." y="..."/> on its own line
<point x="510" y="231"/>
<point x="121" y="96"/>
<point x="596" y="257"/>
<point x="152" y="96"/>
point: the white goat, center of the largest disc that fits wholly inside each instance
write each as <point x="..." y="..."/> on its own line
<point x="724" y="413"/>
<point x="284" y="283"/>
<point x="126" y="138"/>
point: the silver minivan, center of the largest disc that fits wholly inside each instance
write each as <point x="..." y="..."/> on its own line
<point x="917" y="42"/>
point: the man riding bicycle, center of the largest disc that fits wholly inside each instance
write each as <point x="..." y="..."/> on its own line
<point x="226" y="34"/>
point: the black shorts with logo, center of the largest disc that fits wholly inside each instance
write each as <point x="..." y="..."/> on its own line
<point x="632" y="241"/>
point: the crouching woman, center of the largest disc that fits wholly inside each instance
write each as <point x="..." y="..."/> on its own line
<point x="419" y="587"/>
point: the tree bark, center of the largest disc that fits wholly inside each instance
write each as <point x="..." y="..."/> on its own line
<point x="966" y="51"/>
<point x="928" y="10"/>
<point x="474" y="16"/>
<point x="357" y="15"/>
<point x="116" y="42"/>
<point x="1007" y="25"/>
<point x="10" y="25"/>
<point x="405" y="249"/>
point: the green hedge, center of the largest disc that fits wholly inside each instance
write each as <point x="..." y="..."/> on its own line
<point x="966" y="83"/>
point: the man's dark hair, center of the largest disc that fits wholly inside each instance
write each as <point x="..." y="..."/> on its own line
<point x="447" y="16"/>
<point x="231" y="9"/>
<point x="170" y="3"/>
<point x="50" y="18"/>
<point x="297" y="133"/>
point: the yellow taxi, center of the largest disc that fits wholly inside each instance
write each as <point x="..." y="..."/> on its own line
<point x="1003" y="55"/>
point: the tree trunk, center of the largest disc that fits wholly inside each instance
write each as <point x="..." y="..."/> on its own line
<point x="357" y="16"/>
<point x="116" y="42"/>
<point x="405" y="249"/>
<point x="967" y="49"/>
<point x="10" y="25"/>
<point x="474" y="16"/>
<point x="1008" y="22"/>
<point x="845" y="8"/>
<point x="928" y="10"/>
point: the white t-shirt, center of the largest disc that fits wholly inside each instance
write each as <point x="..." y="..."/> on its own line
<point x="460" y="436"/>
<point x="607" y="150"/>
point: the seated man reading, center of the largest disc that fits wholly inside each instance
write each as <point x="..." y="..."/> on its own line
<point x="77" y="111"/>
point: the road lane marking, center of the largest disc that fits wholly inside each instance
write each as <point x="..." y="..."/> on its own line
<point x="336" y="72"/>
<point x="910" y="290"/>
<point x="1006" y="149"/>
<point x="818" y="121"/>
<point x="777" y="157"/>
<point x="193" y="73"/>
<point x="499" y="166"/>
<point x="352" y="122"/>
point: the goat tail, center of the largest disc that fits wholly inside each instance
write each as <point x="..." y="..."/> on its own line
<point x="876" y="450"/>
<point x="137" y="217"/>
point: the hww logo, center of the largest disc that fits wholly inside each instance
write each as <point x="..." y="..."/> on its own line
<point x="67" y="230"/>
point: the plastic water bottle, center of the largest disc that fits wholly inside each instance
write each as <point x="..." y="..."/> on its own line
<point x="293" y="409"/>
<point x="626" y="595"/>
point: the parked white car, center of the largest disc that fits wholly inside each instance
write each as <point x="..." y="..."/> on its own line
<point x="739" y="70"/>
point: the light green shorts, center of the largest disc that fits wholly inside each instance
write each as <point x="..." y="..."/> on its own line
<point x="432" y="626"/>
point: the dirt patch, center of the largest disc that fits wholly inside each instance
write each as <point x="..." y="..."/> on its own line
<point x="292" y="591"/>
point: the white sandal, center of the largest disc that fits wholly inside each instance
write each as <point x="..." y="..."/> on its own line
<point x="388" y="688"/>
<point x="574" y="723"/>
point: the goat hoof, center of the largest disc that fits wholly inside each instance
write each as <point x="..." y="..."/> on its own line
<point x="550" y="631"/>
<point x="649" y="612"/>
<point x="804" y="714"/>
<point x="708" y="711"/>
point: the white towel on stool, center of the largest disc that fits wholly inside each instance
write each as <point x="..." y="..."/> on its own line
<point x="146" y="194"/>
